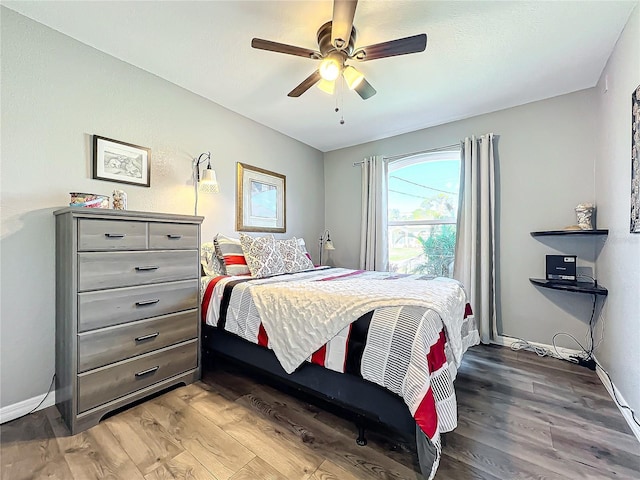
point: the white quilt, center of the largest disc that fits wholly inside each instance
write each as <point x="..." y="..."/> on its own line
<point x="321" y="309"/>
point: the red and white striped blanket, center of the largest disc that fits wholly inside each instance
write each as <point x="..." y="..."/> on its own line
<point x="408" y="344"/>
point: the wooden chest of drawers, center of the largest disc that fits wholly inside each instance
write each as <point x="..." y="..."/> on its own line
<point x="127" y="308"/>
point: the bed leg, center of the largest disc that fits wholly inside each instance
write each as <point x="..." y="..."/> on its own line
<point x="443" y="439"/>
<point x="361" y="440"/>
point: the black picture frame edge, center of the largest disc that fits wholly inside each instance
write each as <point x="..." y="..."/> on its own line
<point x="94" y="163"/>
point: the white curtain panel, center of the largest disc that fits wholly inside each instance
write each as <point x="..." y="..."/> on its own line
<point x="474" y="264"/>
<point x="373" y="234"/>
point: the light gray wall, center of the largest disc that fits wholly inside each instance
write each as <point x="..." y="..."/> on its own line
<point x="546" y="152"/>
<point x="56" y="93"/>
<point x="619" y="263"/>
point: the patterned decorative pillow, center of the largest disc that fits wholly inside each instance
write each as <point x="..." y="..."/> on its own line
<point x="295" y="258"/>
<point x="263" y="255"/>
<point x="230" y="253"/>
<point x="209" y="260"/>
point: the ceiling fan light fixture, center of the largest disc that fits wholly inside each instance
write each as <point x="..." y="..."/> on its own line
<point x="353" y="77"/>
<point x="337" y="45"/>
<point x="330" y="69"/>
<point x="327" y="86"/>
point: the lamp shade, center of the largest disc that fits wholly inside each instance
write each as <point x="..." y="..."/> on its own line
<point x="209" y="182"/>
<point x="328" y="245"/>
<point x="327" y="86"/>
<point x="353" y="77"/>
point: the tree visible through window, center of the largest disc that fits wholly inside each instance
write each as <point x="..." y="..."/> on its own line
<point x="423" y="206"/>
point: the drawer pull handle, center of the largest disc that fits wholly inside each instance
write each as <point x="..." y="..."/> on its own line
<point x="147" y="337"/>
<point x="147" y="268"/>
<point x="115" y="235"/>
<point x="148" y="371"/>
<point x="142" y="303"/>
<point x="174" y="236"/>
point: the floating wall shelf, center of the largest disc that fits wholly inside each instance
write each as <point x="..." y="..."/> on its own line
<point x="547" y="233"/>
<point x="579" y="287"/>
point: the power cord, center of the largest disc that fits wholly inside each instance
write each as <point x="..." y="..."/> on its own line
<point x="589" y="360"/>
<point x="573" y="359"/>
<point x="593" y="280"/>
<point x="615" y="395"/>
<point x="41" y="401"/>
<point x="586" y="358"/>
<point x="522" y="344"/>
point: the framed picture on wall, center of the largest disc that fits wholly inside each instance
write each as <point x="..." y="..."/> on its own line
<point x="635" y="161"/>
<point x="121" y="162"/>
<point x="260" y="200"/>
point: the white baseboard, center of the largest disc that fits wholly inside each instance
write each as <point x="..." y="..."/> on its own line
<point x="611" y="388"/>
<point x="16" y="410"/>
<point x="506" y="341"/>
<point x="567" y="352"/>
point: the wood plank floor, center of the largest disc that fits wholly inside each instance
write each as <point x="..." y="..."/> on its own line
<point x="520" y="417"/>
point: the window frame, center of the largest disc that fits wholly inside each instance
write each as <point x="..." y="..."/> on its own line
<point x="444" y="155"/>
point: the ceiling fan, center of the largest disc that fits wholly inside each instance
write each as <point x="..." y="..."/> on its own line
<point x="336" y="44"/>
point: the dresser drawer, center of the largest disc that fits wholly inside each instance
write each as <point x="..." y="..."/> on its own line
<point x="98" y="270"/>
<point x="108" y="383"/>
<point x="111" y="235"/>
<point x="112" y="344"/>
<point x="173" y="236"/>
<point x="121" y="305"/>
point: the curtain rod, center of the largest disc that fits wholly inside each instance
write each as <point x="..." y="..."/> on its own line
<point x="404" y="155"/>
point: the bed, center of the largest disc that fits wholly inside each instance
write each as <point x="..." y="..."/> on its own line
<point x="380" y="346"/>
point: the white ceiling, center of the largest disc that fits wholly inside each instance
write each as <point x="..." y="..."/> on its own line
<point x="481" y="56"/>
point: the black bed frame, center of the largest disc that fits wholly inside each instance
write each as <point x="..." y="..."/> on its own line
<point x="363" y="402"/>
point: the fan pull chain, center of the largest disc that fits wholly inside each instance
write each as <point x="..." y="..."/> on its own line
<point x="341" y="100"/>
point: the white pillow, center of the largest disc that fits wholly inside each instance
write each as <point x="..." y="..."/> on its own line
<point x="294" y="256"/>
<point x="262" y="255"/>
<point x="209" y="260"/>
<point x="303" y="247"/>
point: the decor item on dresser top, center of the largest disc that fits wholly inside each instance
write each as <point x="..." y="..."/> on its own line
<point x="260" y="200"/>
<point x="325" y="243"/>
<point x="119" y="200"/>
<point x="635" y="161"/>
<point x="88" y="200"/>
<point x="208" y="183"/>
<point x="127" y="309"/>
<point x="121" y="162"/>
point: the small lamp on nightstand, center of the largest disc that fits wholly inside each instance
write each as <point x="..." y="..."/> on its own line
<point x="325" y="243"/>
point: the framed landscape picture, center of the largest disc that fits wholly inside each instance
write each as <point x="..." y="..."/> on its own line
<point x="635" y="161"/>
<point x="260" y="200"/>
<point x="121" y="162"/>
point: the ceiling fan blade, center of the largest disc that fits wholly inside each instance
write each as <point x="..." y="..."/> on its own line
<point x="284" y="48"/>
<point x="306" y="84"/>
<point x="365" y="90"/>
<point x="342" y="22"/>
<point x="401" y="46"/>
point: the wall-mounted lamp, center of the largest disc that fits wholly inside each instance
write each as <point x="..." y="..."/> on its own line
<point x="325" y="243"/>
<point x="208" y="183"/>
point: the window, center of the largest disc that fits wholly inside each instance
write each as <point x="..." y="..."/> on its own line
<point x="422" y="211"/>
